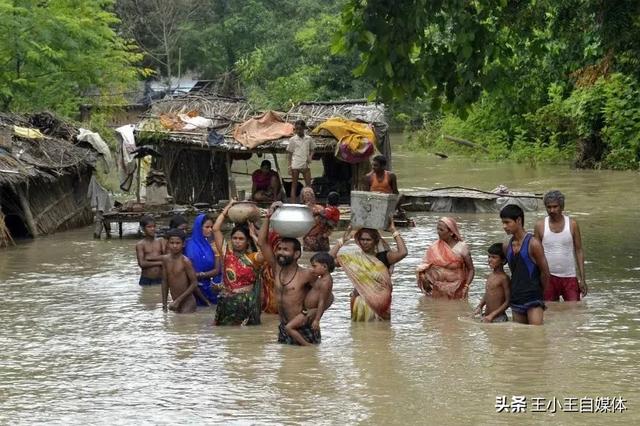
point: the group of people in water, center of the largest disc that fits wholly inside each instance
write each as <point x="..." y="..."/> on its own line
<point x="257" y="271"/>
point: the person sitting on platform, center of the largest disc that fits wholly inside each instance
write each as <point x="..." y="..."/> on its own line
<point x="266" y="185"/>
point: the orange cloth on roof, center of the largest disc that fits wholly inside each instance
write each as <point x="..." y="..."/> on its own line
<point x="263" y="128"/>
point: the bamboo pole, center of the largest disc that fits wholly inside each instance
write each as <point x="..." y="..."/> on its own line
<point x="26" y="211"/>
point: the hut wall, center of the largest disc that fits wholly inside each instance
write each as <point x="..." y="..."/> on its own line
<point x="194" y="176"/>
<point x="61" y="204"/>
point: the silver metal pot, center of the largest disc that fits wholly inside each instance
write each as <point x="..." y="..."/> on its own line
<point x="292" y="220"/>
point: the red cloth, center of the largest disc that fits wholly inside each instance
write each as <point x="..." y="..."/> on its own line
<point x="258" y="130"/>
<point x="332" y="213"/>
<point x="262" y="179"/>
<point x="567" y="287"/>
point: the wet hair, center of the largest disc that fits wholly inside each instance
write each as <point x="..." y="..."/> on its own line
<point x="301" y="123"/>
<point x="265" y="163"/>
<point x="552" y="196"/>
<point x="380" y="159"/>
<point x="146" y="220"/>
<point x="513" y="212"/>
<point x="176" y="221"/>
<point x="245" y="231"/>
<point x="324" y="258"/>
<point x="496" y="249"/>
<point x="294" y="242"/>
<point x="174" y="232"/>
<point x="333" y="199"/>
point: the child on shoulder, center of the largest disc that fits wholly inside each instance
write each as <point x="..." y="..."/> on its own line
<point x="179" y="277"/>
<point x="497" y="292"/>
<point x="149" y="252"/>
<point x="317" y="301"/>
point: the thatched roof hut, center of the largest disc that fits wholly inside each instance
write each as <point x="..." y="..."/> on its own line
<point x="44" y="177"/>
<point x="199" y="171"/>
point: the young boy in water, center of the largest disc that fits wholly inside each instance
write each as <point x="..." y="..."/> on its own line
<point x="497" y="288"/>
<point x="317" y="300"/>
<point x="528" y="265"/>
<point x="179" y="277"/>
<point x="149" y="252"/>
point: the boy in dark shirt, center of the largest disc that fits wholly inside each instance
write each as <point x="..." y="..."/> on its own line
<point x="529" y="270"/>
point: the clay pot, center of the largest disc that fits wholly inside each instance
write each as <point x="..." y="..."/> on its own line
<point x="292" y="220"/>
<point x="243" y="211"/>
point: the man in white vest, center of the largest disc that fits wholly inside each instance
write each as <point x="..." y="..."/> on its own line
<point x="560" y="237"/>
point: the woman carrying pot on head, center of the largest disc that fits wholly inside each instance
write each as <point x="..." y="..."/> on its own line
<point x="447" y="269"/>
<point x="239" y="300"/>
<point x="198" y="249"/>
<point x="368" y="267"/>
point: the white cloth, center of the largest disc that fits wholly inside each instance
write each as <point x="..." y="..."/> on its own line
<point x="559" y="250"/>
<point x="191" y="123"/>
<point x="125" y="158"/>
<point x="300" y="148"/>
<point x="96" y="141"/>
<point x="98" y="196"/>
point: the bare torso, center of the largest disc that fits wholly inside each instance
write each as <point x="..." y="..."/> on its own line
<point x="153" y="250"/>
<point x="322" y="285"/>
<point x="178" y="282"/>
<point x="292" y="291"/>
<point x="494" y="295"/>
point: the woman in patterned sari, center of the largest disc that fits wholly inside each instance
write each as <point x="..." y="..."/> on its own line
<point x="368" y="269"/>
<point x="239" y="300"/>
<point x="447" y="269"/>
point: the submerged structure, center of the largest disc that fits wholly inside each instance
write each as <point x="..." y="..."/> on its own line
<point x="44" y="177"/>
<point x="197" y="161"/>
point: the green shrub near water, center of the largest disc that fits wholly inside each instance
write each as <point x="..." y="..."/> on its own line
<point x="593" y="126"/>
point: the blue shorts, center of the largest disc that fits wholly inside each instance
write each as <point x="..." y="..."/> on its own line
<point x="149" y="281"/>
<point x="522" y="309"/>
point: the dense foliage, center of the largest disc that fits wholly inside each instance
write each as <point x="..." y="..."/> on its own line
<point x="54" y="54"/>
<point x="539" y="80"/>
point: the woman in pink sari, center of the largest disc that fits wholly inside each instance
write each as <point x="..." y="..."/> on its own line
<point x="447" y="269"/>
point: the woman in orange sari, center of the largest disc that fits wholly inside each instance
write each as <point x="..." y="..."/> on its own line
<point x="447" y="269"/>
<point x="368" y="269"/>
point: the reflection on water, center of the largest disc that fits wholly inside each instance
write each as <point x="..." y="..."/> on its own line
<point x="81" y="340"/>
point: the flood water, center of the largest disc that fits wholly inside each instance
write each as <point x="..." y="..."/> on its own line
<point x="81" y="342"/>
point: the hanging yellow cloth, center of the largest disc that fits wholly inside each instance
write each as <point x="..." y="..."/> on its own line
<point x="356" y="141"/>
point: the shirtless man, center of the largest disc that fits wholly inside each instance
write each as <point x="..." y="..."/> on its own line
<point x="497" y="289"/>
<point x="318" y="299"/>
<point x="292" y="282"/>
<point x="178" y="276"/>
<point x="560" y="237"/>
<point x="149" y="252"/>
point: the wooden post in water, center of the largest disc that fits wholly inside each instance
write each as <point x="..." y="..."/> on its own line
<point x="233" y="193"/>
<point x="26" y="211"/>
<point x="138" y="171"/>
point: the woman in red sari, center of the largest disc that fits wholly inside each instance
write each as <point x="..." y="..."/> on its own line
<point x="239" y="301"/>
<point x="447" y="269"/>
<point x="368" y="269"/>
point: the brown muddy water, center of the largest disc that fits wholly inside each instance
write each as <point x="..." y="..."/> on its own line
<point x="81" y="342"/>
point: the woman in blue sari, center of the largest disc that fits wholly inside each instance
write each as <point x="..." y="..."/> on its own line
<point x="203" y="258"/>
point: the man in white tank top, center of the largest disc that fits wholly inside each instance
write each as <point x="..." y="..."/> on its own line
<point x="560" y="237"/>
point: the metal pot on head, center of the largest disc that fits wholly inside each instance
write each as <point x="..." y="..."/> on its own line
<point x="292" y="220"/>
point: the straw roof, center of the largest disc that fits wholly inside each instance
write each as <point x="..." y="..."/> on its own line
<point x="227" y="113"/>
<point x="47" y="158"/>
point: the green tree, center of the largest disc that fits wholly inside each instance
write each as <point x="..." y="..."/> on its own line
<point x="53" y="54"/>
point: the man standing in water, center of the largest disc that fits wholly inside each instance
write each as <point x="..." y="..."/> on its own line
<point x="560" y="237"/>
<point x="292" y="282"/>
